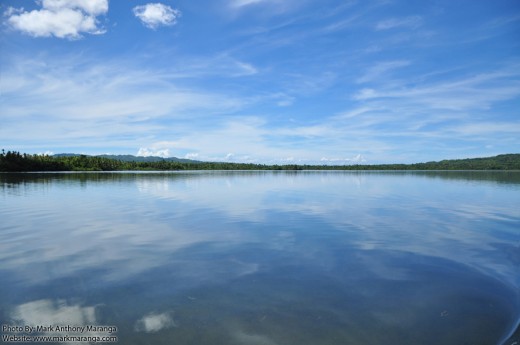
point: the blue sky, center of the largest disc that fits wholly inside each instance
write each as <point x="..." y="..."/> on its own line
<point x="266" y="81"/>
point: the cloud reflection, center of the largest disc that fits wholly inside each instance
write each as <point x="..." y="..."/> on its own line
<point x="47" y="312"/>
<point x="136" y="223"/>
<point x="392" y="211"/>
<point x="152" y="322"/>
<point x="348" y="244"/>
<point x="244" y="338"/>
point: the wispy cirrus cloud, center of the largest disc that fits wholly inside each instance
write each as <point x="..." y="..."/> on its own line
<point x="67" y="87"/>
<point x="276" y="6"/>
<point x="242" y="3"/>
<point x="381" y="69"/>
<point x="461" y="113"/>
<point x="154" y="15"/>
<point x="411" y="22"/>
<point x="486" y="128"/>
<point x="220" y="65"/>
<point x="238" y="4"/>
<point x="476" y="92"/>
<point x="59" y="18"/>
<point x="153" y="112"/>
<point x="113" y="101"/>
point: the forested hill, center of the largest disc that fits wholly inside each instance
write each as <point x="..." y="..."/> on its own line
<point x="500" y="162"/>
<point x="131" y="158"/>
<point x="12" y="161"/>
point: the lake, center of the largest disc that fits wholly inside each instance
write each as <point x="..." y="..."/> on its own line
<point x="262" y="258"/>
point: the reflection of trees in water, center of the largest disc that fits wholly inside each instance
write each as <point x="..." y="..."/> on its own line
<point x="28" y="180"/>
<point x="506" y="177"/>
<point x="13" y="179"/>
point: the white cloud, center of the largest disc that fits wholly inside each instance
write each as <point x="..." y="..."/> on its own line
<point x="154" y="15"/>
<point x="354" y="160"/>
<point x="46" y="153"/>
<point x="251" y="139"/>
<point x="92" y="7"/>
<point x="66" y="23"/>
<point x="145" y="152"/>
<point x="191" y="155"/>
<point x="412" y="22"/>
<point x="59" y="18"/>
<point x="358" y="159"/>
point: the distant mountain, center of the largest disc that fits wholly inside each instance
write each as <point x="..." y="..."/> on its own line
<point x="131" y="158"/>
<point x="65" y="155"/>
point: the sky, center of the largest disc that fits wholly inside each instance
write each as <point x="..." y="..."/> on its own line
<point x="262" y="81"/>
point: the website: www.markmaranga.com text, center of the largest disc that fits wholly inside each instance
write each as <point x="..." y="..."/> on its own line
<point x="13" y="338"/>
<point x="22" y="334"/>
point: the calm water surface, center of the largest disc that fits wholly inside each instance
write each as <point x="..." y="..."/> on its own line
<point x="264" y="258"/>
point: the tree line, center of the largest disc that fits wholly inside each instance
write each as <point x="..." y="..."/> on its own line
<point x="12" y="161"/>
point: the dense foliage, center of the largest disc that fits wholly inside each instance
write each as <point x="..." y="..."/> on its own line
<point x="14" y="161"/>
